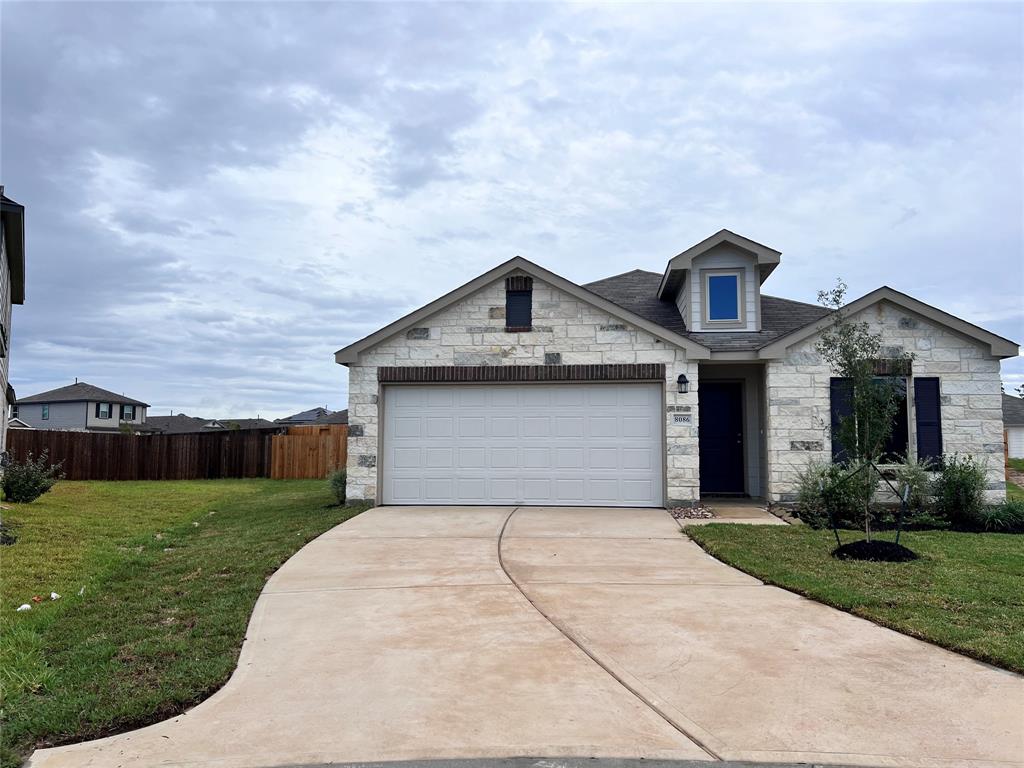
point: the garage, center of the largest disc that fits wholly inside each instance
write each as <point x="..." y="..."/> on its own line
<point x="567" y="444"/>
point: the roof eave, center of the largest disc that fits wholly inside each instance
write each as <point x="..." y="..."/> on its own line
<point x="999" y="347"/>
<point x="350" y="354"/>
<point x="14" y="235"/>
<point x="767" y="258"/>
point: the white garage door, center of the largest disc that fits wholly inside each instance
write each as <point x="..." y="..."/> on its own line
<point x="565" y="444"/>
<point x="1015" y="442"/>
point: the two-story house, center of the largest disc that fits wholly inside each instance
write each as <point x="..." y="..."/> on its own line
<point x="81" y="407"/>
<point x="12" y="290"/>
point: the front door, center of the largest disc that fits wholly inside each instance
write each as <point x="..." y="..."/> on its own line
<point x="720" y="409"/>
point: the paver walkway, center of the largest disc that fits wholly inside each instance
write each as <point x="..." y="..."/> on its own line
<point x="399" y="635"/>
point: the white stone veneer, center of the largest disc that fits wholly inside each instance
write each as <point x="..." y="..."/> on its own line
<point x="472" y="332"/>
<point x="969" y="384"/>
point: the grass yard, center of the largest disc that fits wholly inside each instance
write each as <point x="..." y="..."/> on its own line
<point x="157" y="579"/>
<point x="966" y="592"/>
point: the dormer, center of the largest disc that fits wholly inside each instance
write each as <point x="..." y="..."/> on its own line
<point x="717" y="283"/>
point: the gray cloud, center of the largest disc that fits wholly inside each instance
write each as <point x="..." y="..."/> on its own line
<point x="219" y="196"/>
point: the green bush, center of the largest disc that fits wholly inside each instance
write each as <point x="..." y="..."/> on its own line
<point x="819" y="490"/>
<point x="920" y="513"/>
<point x="337" y="481"/>
<point x="960" y="490"/>
<point x="27" y="480"/>
<point x="1007" y="517"/>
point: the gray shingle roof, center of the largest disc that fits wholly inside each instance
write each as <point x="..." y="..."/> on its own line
<point x="1013" y="411"/>
<point x="80" y="392"/>
<point x="637" y="291"/>
<point x="316" y="416"/>
<point x="180" y="423"/>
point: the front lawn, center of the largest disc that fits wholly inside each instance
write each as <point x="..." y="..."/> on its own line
<point x="966" y="592"/>
<point x="157" y="582"/>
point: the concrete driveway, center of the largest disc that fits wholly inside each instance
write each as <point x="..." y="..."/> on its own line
<point x="417" y="633"/>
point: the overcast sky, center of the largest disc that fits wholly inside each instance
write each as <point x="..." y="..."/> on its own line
<point x="220" y="196"/>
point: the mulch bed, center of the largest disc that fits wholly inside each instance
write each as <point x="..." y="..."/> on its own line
<point x="876" y="551"/>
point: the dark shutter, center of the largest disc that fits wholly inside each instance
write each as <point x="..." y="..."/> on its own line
<point x="928" y="411"/>
<point x="97" y="410"/>
<point x="518" y="309"/>
<point x="841" y="407"/>
<point x="122" y="414"/>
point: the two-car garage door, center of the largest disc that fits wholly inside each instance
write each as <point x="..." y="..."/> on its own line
<point x="564" y="444"/>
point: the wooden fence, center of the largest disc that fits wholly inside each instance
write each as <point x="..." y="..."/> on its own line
<point x="192" y="456"/>
<point x="314" y="451"/>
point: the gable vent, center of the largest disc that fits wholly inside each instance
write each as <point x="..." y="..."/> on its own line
<point x="518" y="283"/>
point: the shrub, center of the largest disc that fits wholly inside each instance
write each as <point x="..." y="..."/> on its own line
<point x="27" y="480"/>
<point x="337" y="481"/>
<point x="1007" y="517"/>
<point x="960" y="490"/>
<point x="819" y="490"/>
<point x="920" y="513"/>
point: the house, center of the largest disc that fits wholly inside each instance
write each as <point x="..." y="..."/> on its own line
<point x="643" y="389"/>
<point x="81" y="407"/>
<point x="314" y="416"/>
<point x="12" y="290"/>
<point x="179" y="424"/>
<point x="1013" y="423"/>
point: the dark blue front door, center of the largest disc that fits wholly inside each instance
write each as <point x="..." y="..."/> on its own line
<point x="720" y="410"/>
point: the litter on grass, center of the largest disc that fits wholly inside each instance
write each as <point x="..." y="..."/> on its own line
<point x="54" y="596"/>
<point x="23" y="607"/>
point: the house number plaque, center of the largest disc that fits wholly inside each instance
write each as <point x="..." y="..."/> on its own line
<point x="682" y="418"/>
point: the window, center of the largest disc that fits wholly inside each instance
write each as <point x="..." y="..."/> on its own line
<point x="127" y="413"/>
<point x="518" y="303"/>
<point x="103" y="410"/>
<point x="3" y="340"/>
<point x="46" y="412"/>
<point x="841" y="407"/>
<point x="723" y="299"/>
<point x="14" y="410"/>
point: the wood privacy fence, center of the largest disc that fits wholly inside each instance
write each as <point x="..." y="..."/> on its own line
<point x="192" y="456"/>
<point x="313" y="451"/>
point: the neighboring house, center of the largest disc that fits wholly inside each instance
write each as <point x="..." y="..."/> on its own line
<point x="81" y="407"/>
<point x="643" y="389"/>
<point x="179" y="423"/>
<point x="314" y="416"/>
<point x="17" y="424"/>
<point x="12" y="291"/>
<point x="1013" y="423"/>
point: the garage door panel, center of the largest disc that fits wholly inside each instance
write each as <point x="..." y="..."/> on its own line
<point x="573" y="444"/>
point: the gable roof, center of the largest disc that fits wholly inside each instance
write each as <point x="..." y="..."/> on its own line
<point x="350" y="354"/>
<point x="998" y="346"/>
<point x="637" y="292"/>
<point x="80" y="392"/>
<point x="767" y="259"/>
<point x="1013" y="411"/>
<point x="318" y="415"/>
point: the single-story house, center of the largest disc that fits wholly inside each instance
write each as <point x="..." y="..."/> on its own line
<point x="643" y="389"/>
<point x="1013" y="423"/>
<point x="180" y="424"/>
<point x="81" y="407"/>
<point x="314" y="417"/>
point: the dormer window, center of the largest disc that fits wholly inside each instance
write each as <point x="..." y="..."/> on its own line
<point x="723" y="296"/>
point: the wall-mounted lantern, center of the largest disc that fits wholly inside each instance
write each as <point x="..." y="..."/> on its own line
<point x="684" y="384"/>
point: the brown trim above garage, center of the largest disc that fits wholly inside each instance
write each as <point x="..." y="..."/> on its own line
<point x="443" y="374"/>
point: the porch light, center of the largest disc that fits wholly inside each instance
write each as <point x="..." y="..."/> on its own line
<point x="684" y="384"/>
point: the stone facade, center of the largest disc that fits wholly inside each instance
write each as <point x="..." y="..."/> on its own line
<point x="566" y="331"/>
<point x="798" y="398"/>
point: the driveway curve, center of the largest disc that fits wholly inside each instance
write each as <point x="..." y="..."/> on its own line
<point x="416" y="633"/>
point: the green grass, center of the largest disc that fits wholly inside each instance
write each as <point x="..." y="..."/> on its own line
<point x="1014" y="492"/>
<point x="157" y="579"/>
<point x="966" y="592"/>
<point x="1017" y="464"/>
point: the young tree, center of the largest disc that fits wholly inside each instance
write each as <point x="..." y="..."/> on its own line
<point x="852" y="352"/>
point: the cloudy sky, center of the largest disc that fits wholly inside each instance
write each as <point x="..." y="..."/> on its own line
<point x="220" y="196"/>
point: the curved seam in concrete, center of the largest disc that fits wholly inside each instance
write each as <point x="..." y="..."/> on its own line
<point x="568" y="636"/>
